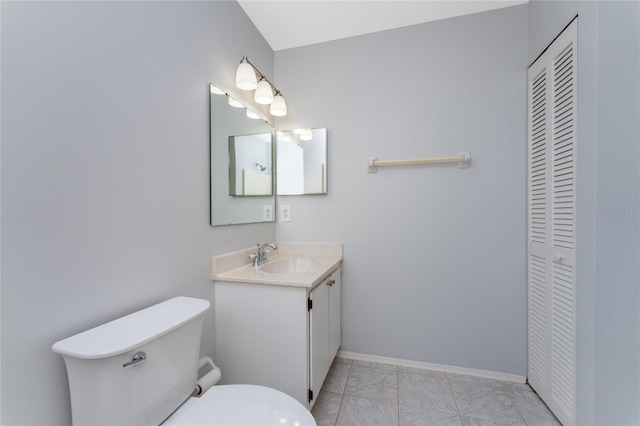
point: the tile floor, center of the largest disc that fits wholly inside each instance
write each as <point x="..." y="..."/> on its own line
<point x="365" y="393"/>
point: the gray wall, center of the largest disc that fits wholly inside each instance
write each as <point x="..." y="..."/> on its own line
<point x="617" y="355"/>
<point x="607" y="276"/>
<point x="435" y="259"/>
<point x="105" y="165"/>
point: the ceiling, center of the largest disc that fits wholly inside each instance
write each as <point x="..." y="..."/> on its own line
<point x="294" y="23"/>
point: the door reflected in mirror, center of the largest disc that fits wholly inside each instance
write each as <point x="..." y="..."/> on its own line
<point x="302" y="161"/>
<point x="242" y="152"/>
<point x="250" y="172"/>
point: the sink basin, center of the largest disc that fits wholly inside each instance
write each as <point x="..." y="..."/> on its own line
<point x="289" y="266"/>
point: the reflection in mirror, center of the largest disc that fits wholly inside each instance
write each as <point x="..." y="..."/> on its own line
<point x="250" y="165"/>
<point x="241" y="164"/>
<point x="302" y="161"/>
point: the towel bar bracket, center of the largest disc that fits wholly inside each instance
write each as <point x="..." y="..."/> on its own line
<point x="466" y="163"/>
<point x="372" y="168"/>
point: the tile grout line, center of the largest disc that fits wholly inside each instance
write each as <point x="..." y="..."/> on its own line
<point x="513" y="401"/>
<point x="398" y="393"/>
<point x="455" y="401"/>
<point x="343" y="393"/>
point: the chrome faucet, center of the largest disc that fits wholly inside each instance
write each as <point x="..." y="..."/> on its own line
<point x="261" y="256"/>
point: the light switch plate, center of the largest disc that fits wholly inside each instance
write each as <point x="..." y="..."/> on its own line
<point x="267" y="213"/>
<point x="285" y="213"/>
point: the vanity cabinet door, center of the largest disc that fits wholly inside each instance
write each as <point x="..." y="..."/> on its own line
<point x="335" y="309"/>
<point x="319" y="339"/>
<point x="324" y="330"/>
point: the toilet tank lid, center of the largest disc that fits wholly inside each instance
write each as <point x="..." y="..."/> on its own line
<point x="132" y="331"/>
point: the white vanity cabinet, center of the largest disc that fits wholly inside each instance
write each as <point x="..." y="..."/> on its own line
<point x="280" y="336"/>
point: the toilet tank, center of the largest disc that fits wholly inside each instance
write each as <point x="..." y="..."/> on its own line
<point x="104" y="392"/>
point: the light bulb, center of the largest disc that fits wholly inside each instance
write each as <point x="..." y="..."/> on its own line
<point x="246" y="76"/>
<point x="278" y="107"/>
<point x="264" y="94"/>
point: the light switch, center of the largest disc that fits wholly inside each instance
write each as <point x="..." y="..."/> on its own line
<point x="285" y="213"/>
<point x="267" y="213"/>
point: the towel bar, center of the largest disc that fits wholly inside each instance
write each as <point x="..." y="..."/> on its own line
<point x="463" y="160"/>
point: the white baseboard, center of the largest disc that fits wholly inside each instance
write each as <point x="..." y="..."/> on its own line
<point x="505" y="377"/>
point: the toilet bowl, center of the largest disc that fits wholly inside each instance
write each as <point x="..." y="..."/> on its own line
<point x="241" y="405"/>
<point x="142" y="369"/>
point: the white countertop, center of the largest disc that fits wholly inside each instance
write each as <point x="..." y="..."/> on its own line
<point x="237" y="267"/>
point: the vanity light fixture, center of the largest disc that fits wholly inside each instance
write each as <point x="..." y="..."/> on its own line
<point x="249" y="78"/>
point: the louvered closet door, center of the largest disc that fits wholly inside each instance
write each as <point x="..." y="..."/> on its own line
<point x="551" y="223"/>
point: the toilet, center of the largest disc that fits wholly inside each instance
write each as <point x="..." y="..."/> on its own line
<point x="142" y="369"/>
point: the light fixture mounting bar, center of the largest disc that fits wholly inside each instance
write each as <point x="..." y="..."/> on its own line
<point x="259" y="74"/>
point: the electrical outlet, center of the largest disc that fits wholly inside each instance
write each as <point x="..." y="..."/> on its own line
<point x="285" y="213"/>
<point x="267" y="213"/>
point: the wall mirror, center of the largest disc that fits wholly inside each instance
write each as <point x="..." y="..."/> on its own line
<point x="302" y="161"/>
<point x="241" y="163"/>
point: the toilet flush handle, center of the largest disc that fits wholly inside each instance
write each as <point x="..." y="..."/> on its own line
<point x="138" y="359"/>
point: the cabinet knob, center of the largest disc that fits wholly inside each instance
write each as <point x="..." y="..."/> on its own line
<point x="330" y="283"/>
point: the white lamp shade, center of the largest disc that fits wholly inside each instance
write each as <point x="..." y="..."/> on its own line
<point x="264" y="94"/>
<point x="278" y="107"/>
<point x="246" y="77"/>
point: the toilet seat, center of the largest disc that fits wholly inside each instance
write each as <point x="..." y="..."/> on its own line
<point x="242" y="405"/>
